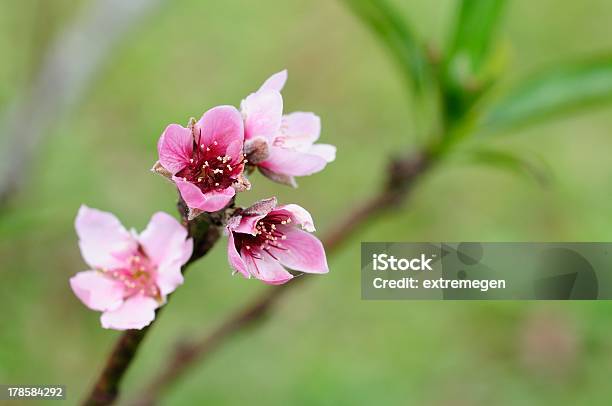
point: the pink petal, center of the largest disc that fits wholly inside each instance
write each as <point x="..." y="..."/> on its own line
<point x="104" y="242"/>
<point x="209" y="201"/>
<point x="221" y="124"/>
<point x="165" y="240"/>
<point x="175" y="148"/>
<point x="325" y="151"/>
<point x="96" y="291"/>
<point x="300" y="130"/>
<point x="275" y="82"/>
<point x="247" y="220"/>
<point x="234" y="258"/>
<point x="266" y="268"/>
<point x="169" y="276"/>
<point x="135" y="313"/>
<point x="263" y="111"/>
<point x="298" y="214"/>
<point x="234" y="151"/>
<point x="293" y="163"/>
<point x="304" y="252"/>
<point x="247" y="224"/>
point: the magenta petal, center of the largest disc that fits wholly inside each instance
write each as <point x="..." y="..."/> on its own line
<point x="247" y="224"/>
<point x="293" y="163"/>
<point x="136" y="313"/>
<point x="223" y="125"/>
<point x="216" y="200"/>
<point x="234" y="258"/>
<point x="165" y="240"/>
<point x="209" y="201"/>
<point x="298" y="214"/>
<point x="266" y="268"/>
<point x="96" y="291"/>
<point x="234" y="151"/>
<point x="104" y="242"/>
<point x="263" y="111"/>
<point x="175" y="148"/>
<point x="303" y="252"/>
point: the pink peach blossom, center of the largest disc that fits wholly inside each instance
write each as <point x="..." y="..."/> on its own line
<point x="290" y="148"/>
<point x="264" y="239"/>
<point x="205" y="161"/>
<point x="131" y="274"/>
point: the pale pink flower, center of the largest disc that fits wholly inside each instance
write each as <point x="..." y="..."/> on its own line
<point x="265" y="239"/>
<point x="131" y="274"/>
<point x="283" y="145"/>
<point x="205" y="161"/>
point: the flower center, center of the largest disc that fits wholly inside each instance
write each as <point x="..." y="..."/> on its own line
<point x="138" y="277"/>
<point x="269" y="234"/>
<point x="211" y="169"/>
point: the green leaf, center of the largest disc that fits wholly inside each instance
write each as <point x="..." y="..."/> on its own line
<point x="524" y="164"/>
<point x="470" y="67"/>
<point x="558" y="90"/>
<point x="474" y="32"/>
<point x="399" y="38"/>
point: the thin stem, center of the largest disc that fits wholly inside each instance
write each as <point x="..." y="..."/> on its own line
<point x="401" y="178"/>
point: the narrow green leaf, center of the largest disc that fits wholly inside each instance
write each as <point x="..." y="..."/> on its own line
<point x="398" y="37"/>
<point x="523" y="164"/>
<point x="474" y="32"/>
<point x="470" y="66"/>
<point x="559" y="90"/>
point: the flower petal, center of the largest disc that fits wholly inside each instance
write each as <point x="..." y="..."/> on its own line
<point x="293" y="163"/>
<point x="278" y="178"/>
<point x="104" y="242"/>
<point x="304" y="252"/>
<point x="135" y="313"/>
<point x="298" y="214"/>
<point x="325" y="151"/>
<point x="299" y="130"/>
<point x="247" y="224"/>
<point x="275" y="82"/>
<point x="221" y="124"/>
<point x="263" y="111"/>
<point x="266" y="268"/>
<point x="169" y="276"/>
<point x="234" y="151"/>
<point x="209" y="201"/>
<point x="96" y="291"/>
<point x="165" y="240"/>
<point x="175" y="148"/>
<point x="234" y="258"/>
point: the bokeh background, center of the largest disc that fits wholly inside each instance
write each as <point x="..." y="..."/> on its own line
<point x="322" y="344"/>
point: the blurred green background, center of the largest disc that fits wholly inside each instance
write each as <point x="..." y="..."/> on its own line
<point x="323" y="344"/>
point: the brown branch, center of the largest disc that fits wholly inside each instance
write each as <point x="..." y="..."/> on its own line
<point x="205" y="231"/>
<point x="401" y="178"/>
